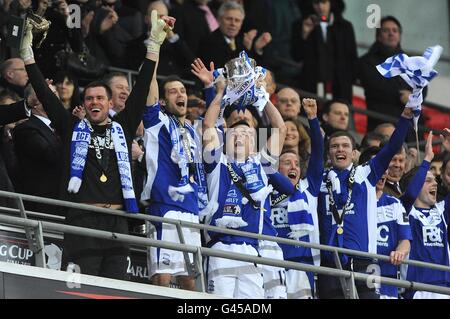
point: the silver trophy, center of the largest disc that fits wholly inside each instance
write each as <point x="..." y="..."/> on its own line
<point x="242" y="76"/>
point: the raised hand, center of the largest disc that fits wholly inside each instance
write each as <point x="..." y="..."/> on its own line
<point x="221" y="84"/>
<point x="310" y="107"/>
<point x="248" y="38"/>
<point x="158" y="33"/>
<point x="429" y="154"/>
<point x="79" y="112"/>
<point x="109" y="21"/>
<point x="202" y="73"/>
<point x="446" y="138"/>
<point x="26" y="50"/>
<point x="263" y="40"/>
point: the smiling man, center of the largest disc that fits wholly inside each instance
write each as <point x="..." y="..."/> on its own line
<point x="176" y="185"/>
<point x="96" y="165"/>
<point x="428" y="220"/>
<point x="347" y="205"/>
<point x="295" y="216"/>
<point x="120" y="90"/>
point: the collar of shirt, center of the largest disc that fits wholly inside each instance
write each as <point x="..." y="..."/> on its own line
<point x="45" y="120"/>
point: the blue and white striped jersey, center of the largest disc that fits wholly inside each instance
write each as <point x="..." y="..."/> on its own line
<point x="360" y="221"/>
<point x="230" y="202"/>
<point x="430" y="243"/>
<point x="162" y="169"/>
<point x="393" y="226"/>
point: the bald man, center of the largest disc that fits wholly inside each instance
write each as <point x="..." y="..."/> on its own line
<point x="288" y="103"/>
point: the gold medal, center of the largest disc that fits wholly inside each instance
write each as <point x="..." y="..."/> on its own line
<point x="103" y="178"/>
<point x="340" y="230"/>
<point x="192" y="179"/>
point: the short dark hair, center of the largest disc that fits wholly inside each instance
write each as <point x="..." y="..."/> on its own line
<point x="340" y="134"/>
<point x="407" y="178"/>
<point x="289" y="151"/>
<point x="168" y="79"/>
<point x="370" y="137"/>
<point x="445" y="162"/>
<point x="96" y="84"/>
<point x="327" y="106"/>
<point x="8" y="94"/>
<point x="109" y="76"/>
<point x="387" y="19"/>
<point x="368" y="153"/>
<point x="441" y="157"/>
<point x="241" y="122"/>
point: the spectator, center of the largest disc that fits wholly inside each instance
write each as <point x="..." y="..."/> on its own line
<point x="436" y="164"/>
<point x="196" y="107"/>
<point x="298" y="141"/>
<point x="226" y="42"/>
<point x="113" y="28"/>
<point x="288" y="103"/>
<point x="347" y="202"/>
<point x="68" y="90"/>
<point x="14" y="76"/>
<point x="327" y="47"/>
<point x="99" y="183"/>
<point x="335" y="117"/>
<point x="385" y="129"/>
<point x="386" y="96"/>
<point x="195" y="21"/>
<point x="10" y="113"/>
<point x="7" y="152"/>
<point x="396" y="170"/>
<point x="176" y="56"/>
<point x="232" y="116"/>
<point x="118" y="82"/>
<point x="372" y="139"/>
<point x="60" y="36"/>
<point x="39" y="153"/>
<point x="444" y="185"/>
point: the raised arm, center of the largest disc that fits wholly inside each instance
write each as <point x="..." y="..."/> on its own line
<point x="381" y="161"/>
<point x="206" y="77"/>
<point x="416" y="184"/>
<point x="51" y="103"/>
<point x="210" y="137"/>
<point x="276" y="140"/>
<point x="315" y="166"/>
<point x="137" y="100"/>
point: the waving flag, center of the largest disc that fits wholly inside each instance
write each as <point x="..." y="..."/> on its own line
<point x="416" y="71"/>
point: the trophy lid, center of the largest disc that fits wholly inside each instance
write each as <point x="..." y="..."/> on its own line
<point x="237" y="67"/>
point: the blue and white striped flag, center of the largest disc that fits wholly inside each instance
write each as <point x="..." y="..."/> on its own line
<point x="416" y="71"/>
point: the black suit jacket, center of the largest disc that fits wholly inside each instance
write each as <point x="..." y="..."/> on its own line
<point x="191" y="24"/>
<point x="39" y="152"/>
<point x="12" y="113"/>
<point x="215" y="48"/>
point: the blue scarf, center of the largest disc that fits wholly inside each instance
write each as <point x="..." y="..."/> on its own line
<point x="185" y="186"/>
<point x="79" y="147"/>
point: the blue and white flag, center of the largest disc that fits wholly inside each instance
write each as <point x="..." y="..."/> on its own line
<point x="416" y="71"/>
